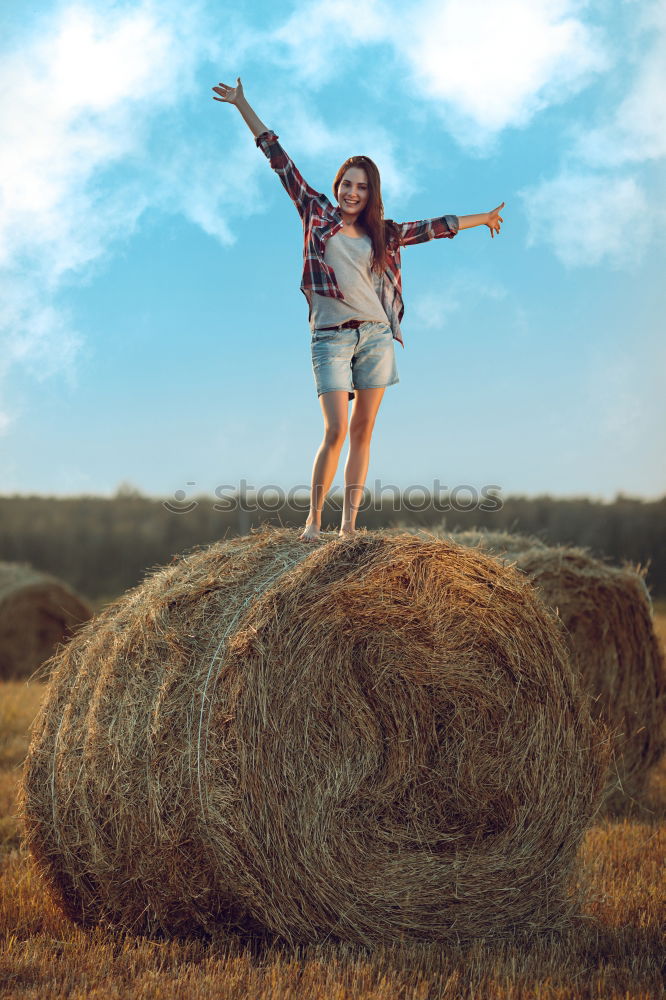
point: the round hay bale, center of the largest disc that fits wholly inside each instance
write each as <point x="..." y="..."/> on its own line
<point x="607" y="612"/>
<point x="608" y="615"/>
<point x="37" y="611"/>
<point x="373" y="738"/>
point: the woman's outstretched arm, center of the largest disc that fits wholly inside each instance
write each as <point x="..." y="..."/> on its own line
<point x="446" y="226"/>
<point x="293" y="182"/>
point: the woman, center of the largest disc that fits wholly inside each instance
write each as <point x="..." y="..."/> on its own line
<point x="351" y="279"/>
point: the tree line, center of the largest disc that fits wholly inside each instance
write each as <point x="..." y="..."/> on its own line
<point x="104" y="546"/>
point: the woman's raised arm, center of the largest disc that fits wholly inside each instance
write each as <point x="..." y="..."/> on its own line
<point x="235" y="95"/>
<point x="298" y="189"/>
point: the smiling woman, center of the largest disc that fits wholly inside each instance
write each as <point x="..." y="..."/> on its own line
<point x="352" y="282"/>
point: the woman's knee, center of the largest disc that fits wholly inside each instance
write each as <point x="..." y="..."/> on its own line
<point x="334" y="433"/>
<point x="360" y="429"/>
<point x="334" y="406"/>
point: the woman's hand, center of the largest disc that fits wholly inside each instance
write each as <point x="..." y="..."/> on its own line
<point x="230" y="95"/>
<point x="494" y="219"/>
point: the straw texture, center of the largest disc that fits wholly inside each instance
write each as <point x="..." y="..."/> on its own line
<point x="607" y="612"/>
<point x="371" y="738"/>
<point x="37" y="611"/>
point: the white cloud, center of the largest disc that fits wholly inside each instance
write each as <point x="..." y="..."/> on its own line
<point x="588" y="218"/>
<point x="493" y="66"/>
<point x="592" y="212"/>
<point x="303" y="133"/>
<point x="483" y="66"/>
<point x="426" y="310"/>
<point x="80" y="98"/>
<point x="42" y="339"/>
<point x="312" y="41"/>
<point x="636" y="130"/>
<point x="76" y="102"/>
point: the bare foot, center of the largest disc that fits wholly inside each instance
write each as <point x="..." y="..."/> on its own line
<point x="310" y="533"/>
<point x="345" y="531"/>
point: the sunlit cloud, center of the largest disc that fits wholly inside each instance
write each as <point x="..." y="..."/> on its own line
<point x="589" y="219"/>
<point x="304" y="134"/>
<point x="486" y="67"/>
<point x="80" y="98"/>
<point x="315" y="39"/>
<point x="436" y="310"/>
<point x="635" y="131"/>
<point x="481" y="67"/>
<point x="593" y="211"/>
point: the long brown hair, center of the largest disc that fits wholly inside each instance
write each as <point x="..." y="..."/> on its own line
<point x="380" y="230"/>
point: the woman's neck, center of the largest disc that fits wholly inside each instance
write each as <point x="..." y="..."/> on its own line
<point x="352" y="228"/>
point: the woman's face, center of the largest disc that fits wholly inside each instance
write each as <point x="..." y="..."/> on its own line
<point x="353" y="192"/>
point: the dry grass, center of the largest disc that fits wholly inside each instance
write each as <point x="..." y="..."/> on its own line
<point x="616" y="949"/>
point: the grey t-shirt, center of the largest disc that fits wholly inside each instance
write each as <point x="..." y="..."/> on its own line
<point x="349" y="256"/>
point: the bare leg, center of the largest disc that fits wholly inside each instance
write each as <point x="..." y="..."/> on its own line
<point x="335" y="409"/>
<point x="364" y="410"/>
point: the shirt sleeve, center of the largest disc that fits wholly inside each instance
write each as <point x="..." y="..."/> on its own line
<point x="296" y="187"/>
<point x="443" y="227"/>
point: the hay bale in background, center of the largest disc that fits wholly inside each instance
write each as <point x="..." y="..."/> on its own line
<point x="608" y="615"/>
<point x="369" y="738"/>
<point x="37" y="611"/>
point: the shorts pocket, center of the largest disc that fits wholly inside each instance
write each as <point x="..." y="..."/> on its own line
<point x="319" y="335"/>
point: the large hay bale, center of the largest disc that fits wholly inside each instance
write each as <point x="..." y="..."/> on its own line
<point x="37" y="611"/>
<point x="368" y="738"/>
<point x="607" y="612"/>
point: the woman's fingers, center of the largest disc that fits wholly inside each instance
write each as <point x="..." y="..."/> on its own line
<point x="494" y="219"/>
<point x="226" y="93"/>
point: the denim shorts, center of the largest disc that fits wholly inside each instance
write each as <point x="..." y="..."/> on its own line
<point x="361" y="358"/>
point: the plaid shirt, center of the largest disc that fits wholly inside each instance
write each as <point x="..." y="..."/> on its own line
<point x="322" y="219"/>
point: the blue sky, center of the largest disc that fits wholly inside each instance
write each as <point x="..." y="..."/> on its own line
<point x="152" y="329"/>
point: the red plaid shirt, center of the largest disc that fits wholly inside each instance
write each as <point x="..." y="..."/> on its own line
<point x="322" y="219"/>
